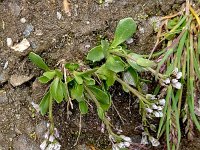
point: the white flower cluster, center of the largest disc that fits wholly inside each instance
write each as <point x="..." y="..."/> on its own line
<point x="174" y="80"/>
<point x="153" y="141"/>
<point x="157" y="107"/>
<point x="124" y="144"/>
<point x="50" y="142"/>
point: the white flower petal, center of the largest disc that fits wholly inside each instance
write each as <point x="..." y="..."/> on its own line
<point x="160" y="108"/>
<point x="177" y="85"/>
<point x="174" y="81"/>
<point x="156" y="114"/>
<point x="43" y="145"/>
<point x="175" y="71"/>
<point x="51" y="138"/>
<point x="162" y="102"/>
<point x="127" y="144"/>
<point x="149" y="110"/>
<point x="144" y="140"/>
<point x="167" y="81"/>
<point x="178" y="75"/>
<point x="154" y="141"/>
<point x="154" y="106"/>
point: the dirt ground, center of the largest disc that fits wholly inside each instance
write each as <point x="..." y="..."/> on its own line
<point x="56" y="35"/>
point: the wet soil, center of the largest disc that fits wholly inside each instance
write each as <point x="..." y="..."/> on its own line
<point x="69" y="38"/>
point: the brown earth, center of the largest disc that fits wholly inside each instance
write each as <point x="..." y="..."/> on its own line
<point x="69" y="38"/>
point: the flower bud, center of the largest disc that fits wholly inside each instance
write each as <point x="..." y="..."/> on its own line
<point x="160" y="108"/>
<point x="167" y="81"/>
<point x="178" y="75"/>
<point x="177" y="85"/>
<point x="162" y="102"/>
<point x="174" y="81"/>
<point x="154" y="106"/>
<point x="149" y="110"/>
<point x="43" y="145"/>
<point x="156" y="114"/>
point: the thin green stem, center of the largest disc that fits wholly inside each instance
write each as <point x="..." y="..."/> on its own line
<point x="51" y="114"/>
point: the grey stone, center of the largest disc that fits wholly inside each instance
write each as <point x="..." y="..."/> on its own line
<point x="24" y="143"/>
<point x="29" y="28"/>
<point x="3" y="77"/>
<point x="41" y="129"/>
<point x="17" y="80"/>
<point x="3" y="97"/>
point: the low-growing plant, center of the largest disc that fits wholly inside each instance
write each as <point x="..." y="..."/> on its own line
<point x="175" y="69"/>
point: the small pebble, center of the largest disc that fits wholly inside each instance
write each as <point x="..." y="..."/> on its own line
<point x="129" y="41"/>
<point x="87" y="22"/>
<point x="22" y="20"/>
<point x="29" y="28"/>
<point x="9" y="42"/>
<point x="59" y="15"/>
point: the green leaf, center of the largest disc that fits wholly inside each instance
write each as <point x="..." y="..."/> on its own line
<point x="89" y="81"/>
<point x="95" y="54"/>
<point x="37" y="60"/>
<point x="56" y="90"/>
<point x="100" y="95"/>
<point x="78" y="77"/>
<point x="49" y="74"/>
<point x="77" y="92"/>
<point x="131" y="77"/>
<point x="125" y="29"/>
<point x="106" y="74"/>
<point x="59" y="73"/>
<point x="105" y="47"/>
<point x="43" y="79"/>
<point x="100" y="113"/>
<point x="115" y="64"/>
<point x="71" y="66"/>
<point x="132" y="61"/>
<point x="145" y="62"/>
<point x="44" y="104"/>
<point x="83" y="107"/>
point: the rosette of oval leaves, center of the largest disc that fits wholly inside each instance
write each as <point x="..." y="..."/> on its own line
<point x="180" y="57"/>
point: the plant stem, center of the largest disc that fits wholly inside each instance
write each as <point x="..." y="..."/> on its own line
<point x="51" y="115"/>
<point x="132" y="90"/>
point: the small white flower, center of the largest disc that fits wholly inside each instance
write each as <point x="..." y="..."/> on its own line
<point x="126" y="138"/>
<point x="48" y="125"/>
<point x="162" y="102"/>
<point x="178" y="75"/>
<point x="46" y="135"/>
<point x="57" y="146"/>
<point x="51" y="138"/>
<point x="149" y="110"/>
<point x="127" y="144"/>
<point x="115" y="147"/>
<point x="154" y="106"/>
<point x="154" y="141"/>
<point x="43" y="145"/>
<point x="50" y="147"/>
<point x="167" y="81"/>
<point x="175" y="71"/>
<point x="174" y="81"/>
<point x="144" y="140"/>
<point x="156" y="114"/>
<point x="121" y="145"/>
<point x="160" y="108"/>
<point x="177" y="85"/>
<point x="56" y="133"/>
